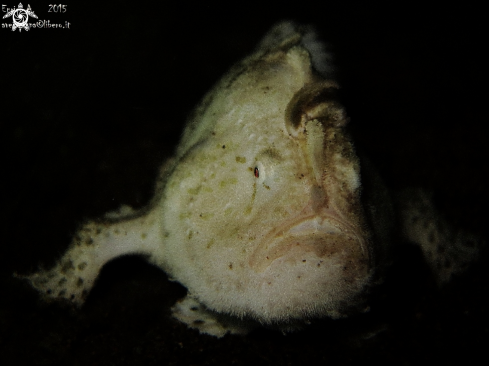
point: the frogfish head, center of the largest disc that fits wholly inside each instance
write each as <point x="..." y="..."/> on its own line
<point x="318" y="257"/>
<point x="263" y="211"/>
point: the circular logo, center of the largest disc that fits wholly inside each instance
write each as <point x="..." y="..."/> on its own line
<point x="20" y="18"/>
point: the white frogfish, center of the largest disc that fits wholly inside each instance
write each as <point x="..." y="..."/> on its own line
<point x="264" y="213"/>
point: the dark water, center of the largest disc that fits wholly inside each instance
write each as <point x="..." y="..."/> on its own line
<point x="88" y="114"/>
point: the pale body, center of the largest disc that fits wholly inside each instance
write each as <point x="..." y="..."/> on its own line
<point x="259" y="214"/>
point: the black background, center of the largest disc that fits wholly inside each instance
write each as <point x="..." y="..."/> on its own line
<point x="88" y="114"/>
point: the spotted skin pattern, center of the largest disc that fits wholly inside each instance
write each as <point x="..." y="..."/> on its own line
<point x="262" y="213"/>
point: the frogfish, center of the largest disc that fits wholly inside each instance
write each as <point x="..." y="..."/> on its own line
<point x="265" y="213"/>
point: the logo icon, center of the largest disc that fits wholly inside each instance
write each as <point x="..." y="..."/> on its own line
<point x="20" y="16"/>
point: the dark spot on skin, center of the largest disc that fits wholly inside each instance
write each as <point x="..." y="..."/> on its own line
<point x="303" y="261"/>
<point x="79" y="282"/>
<point x="198" y="322"/>
<point x="89" y="241"/>
<point x="298" y="276"/>
<point x="223" y="146"/>
<point x="78" y="240"/>
<point x="230" y="266"/>
<point x="98" y="231"/>
<point x="82" y="266"/>
<point x="194" y="308"/>
<point x="62" y="293"/>
<point x="62" y="281"/>
<point x="67" y="266"/>
<point x="272" y="153"/>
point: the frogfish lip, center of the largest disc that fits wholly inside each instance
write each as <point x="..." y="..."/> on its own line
<point x="324" y="236"/>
